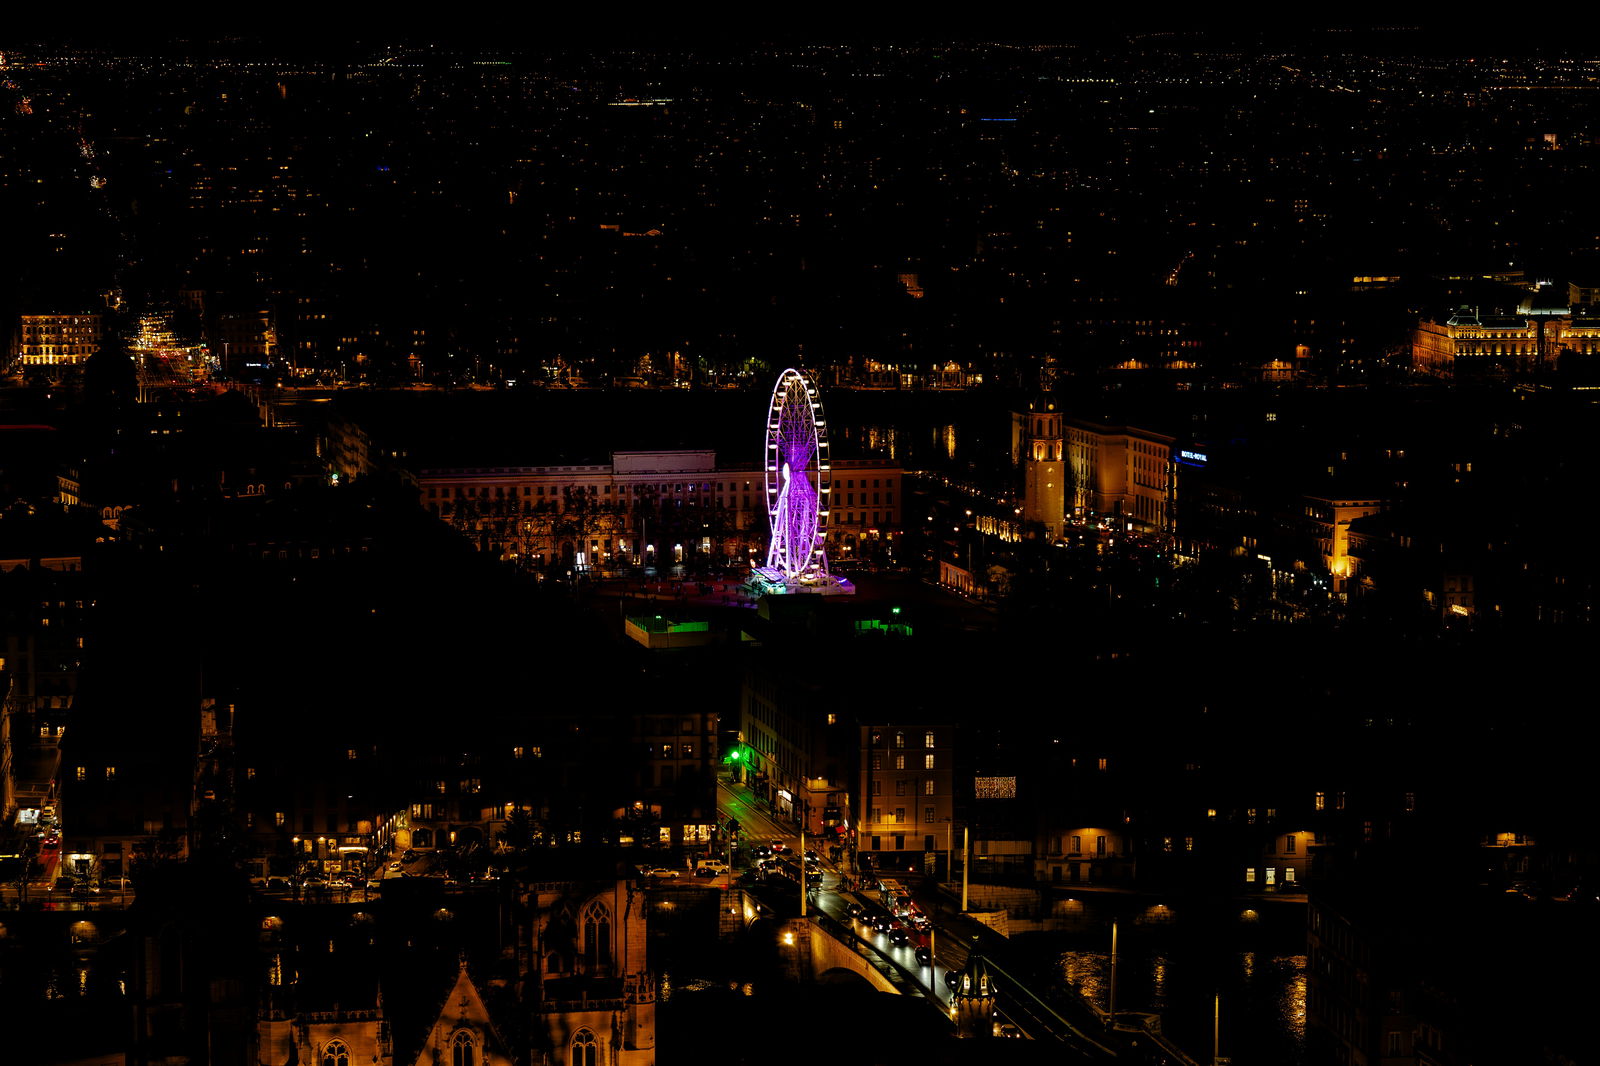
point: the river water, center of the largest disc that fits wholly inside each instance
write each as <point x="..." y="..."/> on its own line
<point x="1253" y="958"/>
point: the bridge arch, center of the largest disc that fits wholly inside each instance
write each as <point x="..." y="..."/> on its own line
<point x="843" y="977"/>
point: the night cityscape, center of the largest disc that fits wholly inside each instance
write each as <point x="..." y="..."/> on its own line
<point x="620" y="549"/>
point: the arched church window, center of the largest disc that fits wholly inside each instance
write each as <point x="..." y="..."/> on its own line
<point x="462" y="1050"/>
<point x="585" y="1049"/>
<point x="336" y="1054"/>
<point x="597" y="936"/>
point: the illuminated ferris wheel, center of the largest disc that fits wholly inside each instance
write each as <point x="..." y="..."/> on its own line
<point x="798" y="480"/>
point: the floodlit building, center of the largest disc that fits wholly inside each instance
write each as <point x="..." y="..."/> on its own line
<point x="1122" y="471"/>
<point x="648" y="508"/>
<point x="1470" y="340"/>
<point x="57" y="340"/>
<point x="1044" y="467"/>
<point x="1331" y="517"/>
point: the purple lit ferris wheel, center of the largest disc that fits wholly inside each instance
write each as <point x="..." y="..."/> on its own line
<point x="798" y="480"/>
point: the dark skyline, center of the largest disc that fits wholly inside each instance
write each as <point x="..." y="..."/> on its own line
<point x="388" y="465"/>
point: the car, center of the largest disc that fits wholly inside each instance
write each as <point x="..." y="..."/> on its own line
<point x="278" y="884"/>
<point x="710" y="867"/>
<point x="374" y="884"/>
<point x="778" y="846"/>
<point x="952" y="979"/>
<point x="657" y="872"/>
<point x="924" y="957"/>
<point x="63" y="883"/>
<point x="899" y="937"/>
<point x="855" y="910"/>
<point x="395" y="867"/>
<point x="921" y="923"/>
<point x="812" y="858"/>
<point x="762" y="852"/>
<point x="84" y="890"/>
<point x="882" y="922"/>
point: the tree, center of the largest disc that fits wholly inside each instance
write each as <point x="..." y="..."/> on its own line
<point x="522" y="832"/>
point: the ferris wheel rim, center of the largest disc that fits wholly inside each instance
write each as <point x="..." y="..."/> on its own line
<point x="784" y="401"/>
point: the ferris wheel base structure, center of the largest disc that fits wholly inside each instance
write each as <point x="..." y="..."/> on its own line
<point x="771" y="581"/>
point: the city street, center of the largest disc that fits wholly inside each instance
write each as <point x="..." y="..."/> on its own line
<point x="758" y="826"/>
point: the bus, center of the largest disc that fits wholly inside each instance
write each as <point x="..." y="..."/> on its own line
<point x="896" y="899"/>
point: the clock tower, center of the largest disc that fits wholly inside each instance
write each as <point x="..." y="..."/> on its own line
<point x="1044" y="468"/>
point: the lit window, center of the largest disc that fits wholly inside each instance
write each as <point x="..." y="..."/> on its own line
<point x="1321" y="801"/>
<point x="1249" y="874"/>
<point x="927" y="787"/>
<point x="111" y="773"/>
<point x="516" y="753"/>
<point x="899" y="762"/>
<point x="927" y="761"/>
<point x="1103" y="763"/>
<point x="899" y="740"/>
<point x="278" y="818"/>
<point x="927" y="740"/>
<point x="83" y="772"/>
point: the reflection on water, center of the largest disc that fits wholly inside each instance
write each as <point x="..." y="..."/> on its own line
<point x="1263" y="998"/>
<point x="1294" y="999"/>
<point x="944" y="440"/>
<point x="881" y="440"/>
<point x="1086" y="971"/>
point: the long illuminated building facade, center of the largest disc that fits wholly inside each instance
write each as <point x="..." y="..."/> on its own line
<point x="57" y="340"/>
<point x="649" y="508"/>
